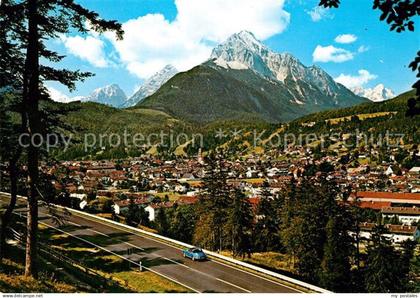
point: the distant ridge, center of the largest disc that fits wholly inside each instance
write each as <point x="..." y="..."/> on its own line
<point x="151" y="85"/>
<point x="111" y="95"/>
<point x="244" y="78"/>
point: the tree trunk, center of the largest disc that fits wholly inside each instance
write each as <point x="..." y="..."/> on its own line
<point x="31" y="104"/>
<point x="5" y="219"/>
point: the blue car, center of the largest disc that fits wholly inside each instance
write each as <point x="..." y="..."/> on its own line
<point x="194" y="253"/>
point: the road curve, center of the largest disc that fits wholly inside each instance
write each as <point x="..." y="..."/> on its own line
<point x="205" y="277"/>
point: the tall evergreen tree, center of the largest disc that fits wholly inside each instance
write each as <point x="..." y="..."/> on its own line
<point x="383" y="265"/>
<point x="10" y="154"/>
<point x="183" y="223"/>
<point x="143" y="216"/>
<point x="11" y="76"/>
<point x="132" y="213"/>
<point x="336" y="264"/>
<point x="162" y="222"/>
<point x="407" y="258"/>
<point x="308" y="209"/>
<point x="290" y="222"/>
<point x="214" y="204"/>
<point x="45" y="20"/>
<point x="267" y="228"/>
<point x="240" y="224"/>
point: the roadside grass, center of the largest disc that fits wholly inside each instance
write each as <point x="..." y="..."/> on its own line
<point x="270" y="260"/>
<point x="273" y="260"/>
<point x="12" y="279"/>
<point x="111" y="266"/>
<point x="148" y="282"/>
<point x="105" y="215"/>
<point x="15" y="282"/>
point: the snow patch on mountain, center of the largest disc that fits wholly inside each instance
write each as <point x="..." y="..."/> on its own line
<point x="376" y="94"/>
<point x="151" y="85"/>
<point x="243" y="51"/>
<point x="111" y="95"/>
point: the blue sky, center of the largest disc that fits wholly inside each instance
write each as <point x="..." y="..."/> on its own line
<point x="182" y="32"/>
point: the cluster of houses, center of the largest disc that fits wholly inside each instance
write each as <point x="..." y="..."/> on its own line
<point x="155" y="183"/>
<point x="403" y="208"/>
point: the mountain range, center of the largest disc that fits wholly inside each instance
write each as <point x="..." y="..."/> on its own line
<point x="244" y="78"/>
<point x="111" y="95"/>
<point x="151" y="85"/>
<point x="375" y="94"/>
<point x="374" y="119"/>
<point x="241" y="78"/>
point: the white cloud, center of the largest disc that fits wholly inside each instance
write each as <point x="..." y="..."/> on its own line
<point x="358" y="80"/>
<point x="59" y="96"/>
<point x="331" y="54"/>
<point x="318" y="13"/>
<point x="151" y="42"/>
<point x="362" y="49"/>
<point x="88" y="48"/>
<point x="346" y="38"/>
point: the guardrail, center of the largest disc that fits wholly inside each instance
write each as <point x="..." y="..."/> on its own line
<point x="210" y="253"/>
<point x="107" y="279"/>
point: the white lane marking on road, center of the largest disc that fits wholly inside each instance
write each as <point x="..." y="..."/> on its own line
<point x="178" y="263"/>
<point x="211" y="260"/>
<point x="183" y="265"/>
<point x="154" y="254"/>
<point x="262" y="277"/>
<point x="233" y="285"/>
<point x="122" y="257"/>
<point x="73" y="223"/>
<point x="127" y="243"/>
<point x="99" y="233"/>
<point x="77" y="225"/>
<point x="135" y="246"/>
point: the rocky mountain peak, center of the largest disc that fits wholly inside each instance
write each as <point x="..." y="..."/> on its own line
<point x="376" y="94"/>
<point x="111" y="95"/>
<point x="151" y="85"/>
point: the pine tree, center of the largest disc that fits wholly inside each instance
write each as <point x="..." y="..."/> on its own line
<point x="132" y="213"/>
<point x="10" y="154"/>
<point x="335" y="266"/>
<point x="143" y="216"/>
<point x="162" y="223"/>
<point x="267" y="229"/>
<point x="44" y="20"/>
<point x="240" y="223"/>
<point x="290" y="222"/>
<point x="11" y="24"/>
<point x="310" y="205"/>
<point x="407" y="255"/>
<point x="383" y="265"/>
<point x="214" y="204"/>
<point x="183" y="224"/>
<point x="304" y="236"/>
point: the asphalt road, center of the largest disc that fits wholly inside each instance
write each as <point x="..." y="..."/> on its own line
<point x="205" y="276"/>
